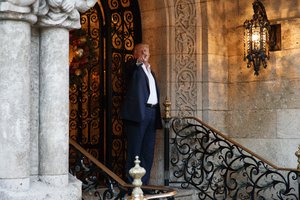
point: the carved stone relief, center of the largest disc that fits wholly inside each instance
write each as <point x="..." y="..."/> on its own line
<point x="55" y="13"/>
<point x="63" y="13"/>
<point x="185" y="61"/>
<point x="23" y="6"/>
<point x="24" y="10"/>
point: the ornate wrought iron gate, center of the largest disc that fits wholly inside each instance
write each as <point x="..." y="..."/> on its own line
<point x="97" y="54"/>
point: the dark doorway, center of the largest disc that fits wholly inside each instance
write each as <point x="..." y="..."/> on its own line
<point x="98" y="52"/>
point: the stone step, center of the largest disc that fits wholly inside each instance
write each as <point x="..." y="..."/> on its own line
<point x="182" y="194"/>
<point x="186" y="194"/>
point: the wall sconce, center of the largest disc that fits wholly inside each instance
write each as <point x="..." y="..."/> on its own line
<point x="256" y="38"/>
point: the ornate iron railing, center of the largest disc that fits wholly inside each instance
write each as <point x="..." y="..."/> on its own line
<point x="101" y="183"/>
<point x="220" y="168"/>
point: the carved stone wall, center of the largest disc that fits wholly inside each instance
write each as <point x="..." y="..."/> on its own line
<point x="184" y="73"/>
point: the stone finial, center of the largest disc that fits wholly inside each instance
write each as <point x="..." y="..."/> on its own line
<point x="137" y="172"/>
<point x="63" y="13"/>
<point x="298" y="155"/>
<point x="167" y="105"/>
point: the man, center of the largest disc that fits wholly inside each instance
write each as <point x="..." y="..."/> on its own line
<point x="140" y="111"/>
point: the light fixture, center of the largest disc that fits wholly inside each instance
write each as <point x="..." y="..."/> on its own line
<point x="256" y="38"/>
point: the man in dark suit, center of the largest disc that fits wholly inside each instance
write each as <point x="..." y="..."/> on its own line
<point x="141" y="111"/>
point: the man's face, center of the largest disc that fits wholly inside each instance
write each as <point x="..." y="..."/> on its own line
<point x="143" y="54"/>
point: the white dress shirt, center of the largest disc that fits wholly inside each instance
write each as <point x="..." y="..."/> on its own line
<point x="153" y="93"/>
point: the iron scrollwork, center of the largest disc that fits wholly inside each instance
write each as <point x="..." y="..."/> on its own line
<point x="99" y="182"/>
<point x="124" y="33"/>
<point x="105" y="42"/>
<point x="86" y="113"/>
<point x="220" y="169"/>
<point x="95" y="182"/>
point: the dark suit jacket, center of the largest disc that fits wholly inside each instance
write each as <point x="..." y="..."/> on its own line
<point x="135" y="100"/>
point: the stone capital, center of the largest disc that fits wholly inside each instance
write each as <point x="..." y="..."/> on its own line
<point x="62" y="13"/>
<point x="23" y="10"/>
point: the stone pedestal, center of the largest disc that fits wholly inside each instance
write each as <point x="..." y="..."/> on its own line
<point x="43" y="191"/>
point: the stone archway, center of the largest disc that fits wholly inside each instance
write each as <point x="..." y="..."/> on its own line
<point x="173" y="30"/>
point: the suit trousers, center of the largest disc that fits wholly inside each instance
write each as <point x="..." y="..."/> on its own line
<point x="141" y="141"/>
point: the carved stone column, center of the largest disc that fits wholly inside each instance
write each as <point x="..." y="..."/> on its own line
<point x="16" y="18"/>
<point x="56" y="18"/>
<point x="54" y="106"/>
